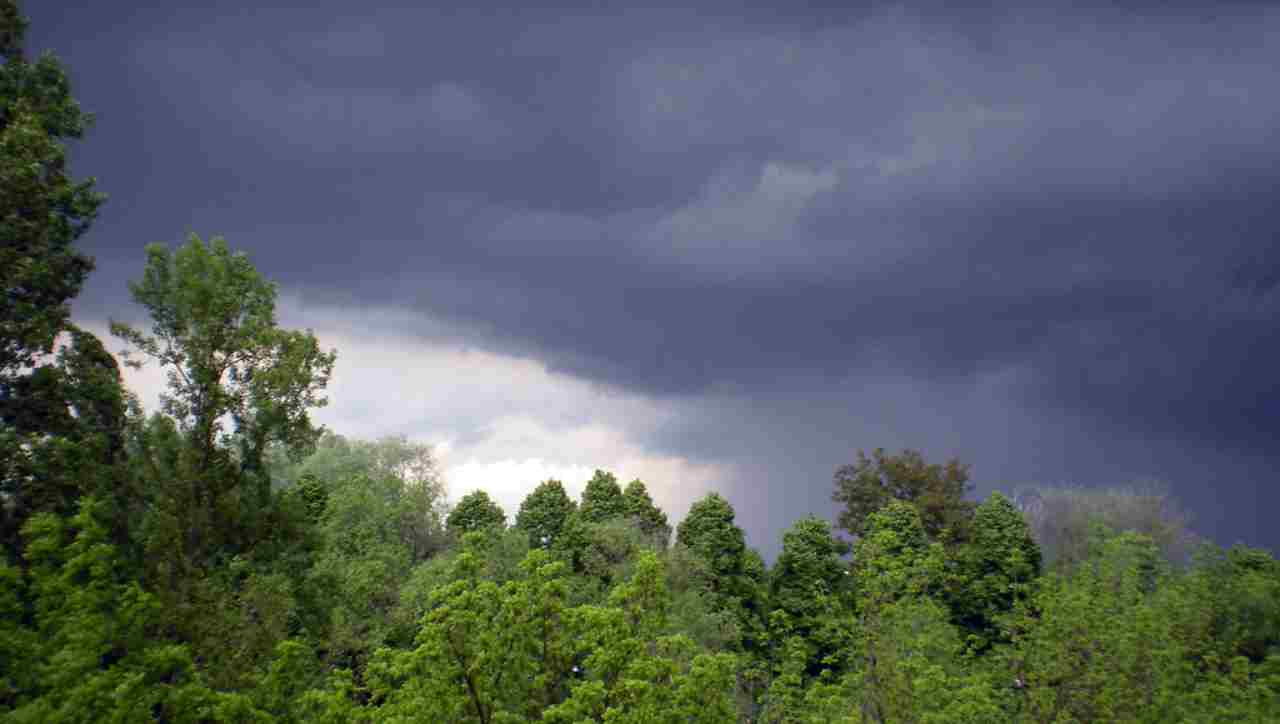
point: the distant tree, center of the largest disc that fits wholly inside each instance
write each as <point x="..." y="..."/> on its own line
<point x="994" y="570"/>
<point x="602" y="499"/>
<point x="475" y="512"/>
<point x="810" y="594"/>
<point x="936" y="491"/>
<point x="543" y="513"/>
<point x="709" y="531"/>
<point x="647" y="516"/>
<point x="735" y="573"/>
<point x="1061" y="519"/>
<point x="410" y="491"/>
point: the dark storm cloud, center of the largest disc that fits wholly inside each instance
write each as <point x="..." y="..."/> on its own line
<point x="745" y="203"/>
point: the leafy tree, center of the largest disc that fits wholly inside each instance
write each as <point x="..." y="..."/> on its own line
<point x="60" y="422"/>
<point x="994" y="570"/>
<point x="374" y="530"/>
<point x="1231" y="605"/>
<point x="633" y="673"/>
<point x="602" y="499"/>
<point x="735" y="574"/>
<point x="651" y="521"/>
<point x="937" y="491"/>
<point x="709" y="531"/>
<point x="1061" y="519"/>
<point x="98" y="653"/>
<point x="907" y="664"/>
<point x="810" y="597"/>
<point x="543" y="513"/>
<point x="62" y="436"/>
<point x="475" y="512"/>
<point x="215" y="332"/>
<point x="1095" y="647"/>
<point x="226" y="555"/>
<point x="43" y="210"/>
<point x="391" y="479"/>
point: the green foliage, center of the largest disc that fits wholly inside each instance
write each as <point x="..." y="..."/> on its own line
<point x="937" y="492"/>
<point x="734" y="580"/>
<point x="475" y="512"/>
<point x="97" y="651"/>
<point x="1061" y="519"/>
<point x="602" y="499"/>
<point x="709" y="531"/>
<point x="43" y="210"/>
<point x="811" y="598"/>
<point x="651" y="521"/>
<point x="63" y="437"/>
<point x="544" y="512"/>
<point x="214" y="331"/>
<point x="994" y="570"/>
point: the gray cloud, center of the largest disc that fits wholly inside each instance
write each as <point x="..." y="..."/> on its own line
<point x="811" y="228"/>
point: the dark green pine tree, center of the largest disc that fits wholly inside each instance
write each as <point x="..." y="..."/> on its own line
<point x="543" y="513"/>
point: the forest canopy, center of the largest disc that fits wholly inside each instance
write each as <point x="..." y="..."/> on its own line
<point x="223" y="558"/>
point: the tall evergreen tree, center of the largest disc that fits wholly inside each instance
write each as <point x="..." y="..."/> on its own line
<point x="651" y="521"/>
<point x="602" y="499"/>
<point x="544" y="512"/>
<point x="43" y="210"/>
<point x="60" y="420"/>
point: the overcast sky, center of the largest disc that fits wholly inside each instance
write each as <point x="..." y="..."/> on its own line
<point x="724" y="248"/>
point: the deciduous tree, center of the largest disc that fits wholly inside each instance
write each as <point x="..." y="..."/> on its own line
<point x="936" y="491"/>
<point x="475" y="512"/>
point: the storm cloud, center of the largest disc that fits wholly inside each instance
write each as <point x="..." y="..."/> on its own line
<point x="1043" y="241"/>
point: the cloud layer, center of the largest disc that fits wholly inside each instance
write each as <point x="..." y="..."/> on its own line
<point x="1042" y="240"/>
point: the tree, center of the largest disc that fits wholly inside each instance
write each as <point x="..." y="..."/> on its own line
<point x="735" y="573"/>
<point x="214" y="330"/>
<point x="651" y="521"/>
<point x="475" y="512"/>
<point x="62" y="436"/>
<point x="709" y="531"/>
<point x="1061" y="519"/>
<point x="937" y="491"/>
<point x="409" y="497"/>
<point x="602" y="499"/>
<point x="994" y="570"/>
<point x="810" y="591"/>
<point x="42" y="209"/>
<point x="1096" y="646"/>
<point x="543" y="513"/>
<point x="96" y="654"/>
<point x="60" y="423"/>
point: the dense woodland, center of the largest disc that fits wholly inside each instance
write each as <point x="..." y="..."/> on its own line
<point x="224" y="559"/>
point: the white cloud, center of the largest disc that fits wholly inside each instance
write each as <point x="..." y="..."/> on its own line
<point x="499" y="423"/>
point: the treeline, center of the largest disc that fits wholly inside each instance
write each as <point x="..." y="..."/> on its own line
<point x="224" y="559"/>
